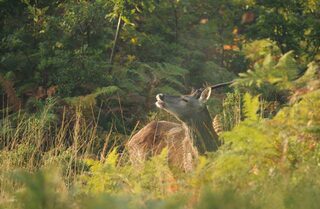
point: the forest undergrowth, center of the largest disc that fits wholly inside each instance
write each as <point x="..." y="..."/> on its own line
<point x="263" y="163"/>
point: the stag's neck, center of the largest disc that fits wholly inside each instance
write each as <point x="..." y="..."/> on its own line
<point x="200" y="131"/>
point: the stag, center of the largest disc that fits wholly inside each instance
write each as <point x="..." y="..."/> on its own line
<point x="194" y="136"/>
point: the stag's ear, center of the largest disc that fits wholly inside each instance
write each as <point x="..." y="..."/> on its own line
<point x="205" y="95"/>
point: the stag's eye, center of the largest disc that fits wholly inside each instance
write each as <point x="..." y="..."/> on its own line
<point x="184" y="99"/>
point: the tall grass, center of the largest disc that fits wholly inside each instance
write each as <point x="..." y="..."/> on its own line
<point x="32" y="142"/>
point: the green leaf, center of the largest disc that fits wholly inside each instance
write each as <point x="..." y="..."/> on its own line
<point x="288" y="66"/>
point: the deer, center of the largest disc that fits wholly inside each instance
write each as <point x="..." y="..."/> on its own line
<point x="185" y="141"/>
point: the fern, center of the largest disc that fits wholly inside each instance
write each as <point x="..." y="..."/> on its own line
<point x="286" y="70"/>
<point x="259" y="49"/>
<point x="251" y="107"/>
<point x="90" y="99"/>
<point x="112" y="158"/>
<point x="280" y="73"/>
<point x="309" y="75"/>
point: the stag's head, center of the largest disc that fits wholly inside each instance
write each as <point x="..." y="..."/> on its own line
<point x="185" y="107"/>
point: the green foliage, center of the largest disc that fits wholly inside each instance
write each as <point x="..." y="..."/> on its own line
<point x="309" y="75"/>
<point x="104" y="177"/>
<point x="164" y="77"/>
<point x="279" y="73"/>
<point x="76" y="106"/>
<point x="289" y="23"/>
<point x="42" y="190"/>
<point x="259" y="49"/>
<point x="108" y="177"/>
<point x="303" y="117"/>
<point x="224" y="199"/>
<point x="230" y="111"/>
<point x="69" y="42"/>
<point x="251" y="107"/>
<point x="271" y="74"/>
<point x="213" y="73"/>
<point x="90" y="99"/>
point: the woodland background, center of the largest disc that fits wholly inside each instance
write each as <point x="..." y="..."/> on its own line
<point x="73" y="92"/>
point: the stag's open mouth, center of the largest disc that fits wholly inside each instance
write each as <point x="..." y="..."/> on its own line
<point x="160" y="104"/>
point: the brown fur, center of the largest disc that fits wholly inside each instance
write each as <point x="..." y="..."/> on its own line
<point x="157" y="135"/>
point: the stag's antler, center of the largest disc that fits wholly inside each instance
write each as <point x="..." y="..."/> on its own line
<point x="221" y="84"/>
